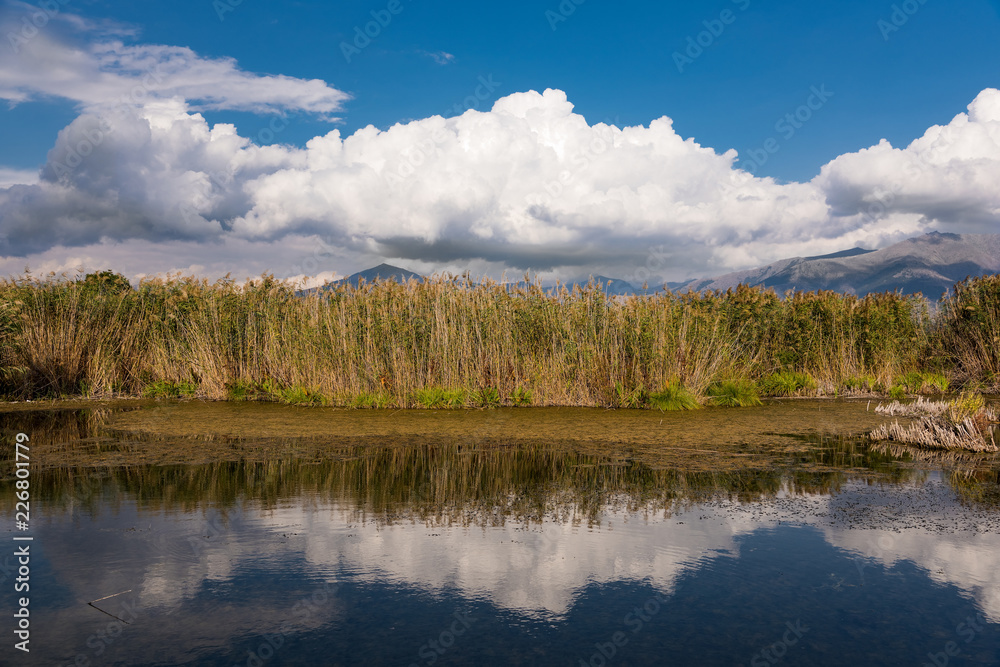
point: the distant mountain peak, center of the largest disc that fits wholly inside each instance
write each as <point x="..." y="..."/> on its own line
<point x="843" y="253"/>
<point x="381" y="272"/>
<point x="929" y="264"/>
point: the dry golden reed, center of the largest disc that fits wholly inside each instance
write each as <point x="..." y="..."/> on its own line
<point x="388" y="344"/>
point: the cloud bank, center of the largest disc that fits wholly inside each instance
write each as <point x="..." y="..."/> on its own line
<point x="528" y="184"/>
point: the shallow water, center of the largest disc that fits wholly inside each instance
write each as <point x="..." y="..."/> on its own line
<point x="268" y="535"/>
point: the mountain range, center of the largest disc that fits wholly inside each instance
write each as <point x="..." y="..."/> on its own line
<point x="930" y="264"/>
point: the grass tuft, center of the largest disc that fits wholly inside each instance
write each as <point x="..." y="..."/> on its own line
<point x="674" y="397"/>
<point x="487" y="397"/>
<point x="521" y="397"/>
<point x="787" y="383"/>
<point x="438" y="398"/>
<point x="734" y="394"/>
<point x="167" y="389"/>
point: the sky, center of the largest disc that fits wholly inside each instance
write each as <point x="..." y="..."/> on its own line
<point x="643" y="141"/>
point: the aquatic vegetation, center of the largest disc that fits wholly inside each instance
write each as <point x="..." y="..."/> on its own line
<point x="436" y="397"/>
<point x="917" y="382"/>
<point x="487" y="397"/>
<point x="674" y="397"/>
<point x="298" y="395"/>
<point x="786" y="383"/>
<point x="167" y="389"/>
<point x="734" y="394"/>
<point x="521" y="397"/>
<point x="863" y="384"/>
<point x="521" y="345"/>
<point x="636" y="397"/>
<point x="372" y="400"/>
<point x="960" y="423"/>
<point x="897" y="392"/>
<point x="969" y="331"/>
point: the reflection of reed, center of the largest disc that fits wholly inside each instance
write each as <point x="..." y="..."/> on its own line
<point x="55" y="427"/>
<point x="436" y="484"/>
<point x="961" y="459"/>
<point x="977" y="487"/>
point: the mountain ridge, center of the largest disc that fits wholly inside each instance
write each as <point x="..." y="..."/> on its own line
<point x="929" y="264"/>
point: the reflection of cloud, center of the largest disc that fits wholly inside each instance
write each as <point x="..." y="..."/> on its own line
<point x="966" y="561"/>
<point x="533" y="571"/>
<point x="529" y="570"/>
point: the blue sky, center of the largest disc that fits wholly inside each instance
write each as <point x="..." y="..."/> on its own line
<point x="615" y="62"/>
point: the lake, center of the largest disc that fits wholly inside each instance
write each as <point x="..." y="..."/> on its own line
<point x="260" y="534"/>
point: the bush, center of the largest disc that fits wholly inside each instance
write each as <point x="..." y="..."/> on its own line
<point x="636" y="397"/>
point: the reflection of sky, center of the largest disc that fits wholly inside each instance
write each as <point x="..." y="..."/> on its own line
<point x="200" y="581"/>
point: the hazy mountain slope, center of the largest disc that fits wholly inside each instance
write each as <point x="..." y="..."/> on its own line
<point x="381" y="272"/>
<point x="930" y="264"/>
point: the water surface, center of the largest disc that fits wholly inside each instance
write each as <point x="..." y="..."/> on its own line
<point x="268" y="535"/>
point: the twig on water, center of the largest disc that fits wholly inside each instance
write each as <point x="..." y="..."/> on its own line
<point x="107" y="597"/>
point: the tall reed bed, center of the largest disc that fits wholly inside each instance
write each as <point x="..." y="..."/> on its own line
<point x="969" y="331"/>
<point x="387" y="344"/>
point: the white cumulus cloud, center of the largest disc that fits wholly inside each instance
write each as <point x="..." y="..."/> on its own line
<point x="529" y="184"/>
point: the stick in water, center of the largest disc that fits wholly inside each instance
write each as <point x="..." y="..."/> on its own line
<point x="106" y="597"/>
